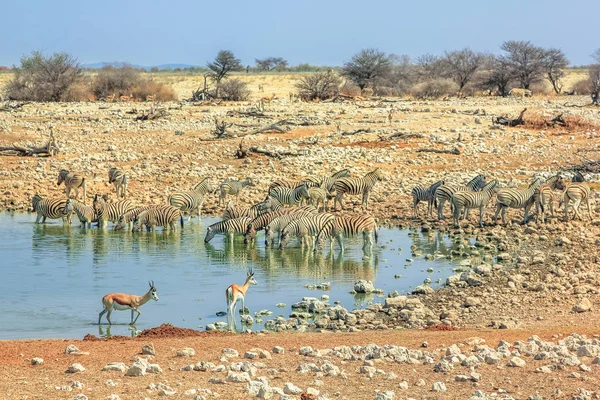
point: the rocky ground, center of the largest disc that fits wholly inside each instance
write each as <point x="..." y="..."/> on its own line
<point x="545" y="282"/>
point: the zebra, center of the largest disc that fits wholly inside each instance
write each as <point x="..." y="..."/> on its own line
<point x="127" y="218"/>
<point x="86" y="214"/>
<point x="229" y="228"/>
<point x="362" y="185"/>
<point x="327" y="182"/>
<point x="543" y="195"/>
<point x="444" y="192"/>
<point x="305" y="228"/>
<point x="52" y="208"/>
<point x="191" y="200"/>
<point x="259" y="223"/>
<point x="464" y="199"/>
<point x="516" y="198"/>
<point x="318" y="196"/>
<point x="110" y="211"/>
<point x="120" y="180"/>
<point x="232" y="211"/>
<point x="310" y="181"/>
<point x="234" y="188"/>
<point x="270" y="204"/>
<point x="72" y="181"/>
<point x="576" y="192"/>
<point x="419" y="193"/>
<point x="291" y="197"/>
<point x="163" y="215"/>
<point x="344" y="226"/>
<point x="278" y="223"/>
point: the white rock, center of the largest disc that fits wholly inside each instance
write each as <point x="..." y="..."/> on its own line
<point x="278" y="350"/>
<point x="237" y="377"/>
<point x="115" y="366"/>
<point x="230" y="353"/>
<point x="387" y="395"/>
<point x="290" y="388"/>
<point x="136" y="369"/>
<point x="438" y="387"/>
<point x="186" y="352"/>
<point x="516" y="362"/>
<point x="74" y="368"/>
<point x="584" y="305"/>
<point x="37" y="361"/>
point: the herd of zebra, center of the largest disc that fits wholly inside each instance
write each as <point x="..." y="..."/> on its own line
<point x="290" y="209"/>
<point x="477" y="193"/>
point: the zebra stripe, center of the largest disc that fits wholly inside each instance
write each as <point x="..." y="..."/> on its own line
<point x="233" y="188"/>
<point x="544" y="198"/>
<point x="52" y="208"/>
<point x="318" y="196"/>
<point x="344" y="226"/>
<point x="191" y="200"/>
<point x="271" y="204"/>
<point x="576" y="192"/>
<point x="420" y="193"/>
<point x="128" y="217"/>
<point x="305" y="228"/>
<point x="362" y="185"/>
<point x="444" y="192"/>
<point x="110" y="211"/>
<point x="232" y="211"/>
<point x="86" y="214"/>
<point x="163" y="215"/>
<point x="120" y="180"/>
<point x="228" y="228"/>
<point x="479" y="200"/>
<point x="260" y="222"/>
<point x="278" y="223"/>
<point x="516" y="198"/>
<point x="72" y="181"/>
<point x="288" y="196"/>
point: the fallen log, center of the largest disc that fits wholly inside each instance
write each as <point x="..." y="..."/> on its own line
<point x="152" y="114"/>
<point x="454" y="151"/>
<point x="504" y="120"/>
<point x="48" y="150"/>
<point x="361" y="130"/>
<point x="404" y="136"/>
<point x="274" y="153"/>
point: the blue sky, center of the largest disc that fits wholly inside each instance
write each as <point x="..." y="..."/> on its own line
<point x="325" y="32"/>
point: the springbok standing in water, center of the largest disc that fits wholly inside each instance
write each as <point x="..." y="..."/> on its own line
<point x="235" y="293"/>
<point x="122" y="301"/>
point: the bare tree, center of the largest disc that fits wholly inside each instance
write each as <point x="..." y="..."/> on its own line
<point x="429" y="66"/>
<point x="365" y="67"/>
<point x="595" y="83"/>
<point x="461" y="65"/>
<point x="321" y="85"/>
<point x="497" y="75"/>
<point x="554" y="62"/>
<point x="224" y="63"/>
<point x="271" y="63"/>
<point x="596" y="55"/>
<point x="525" y="61"/>
<point x="43" y="78"/>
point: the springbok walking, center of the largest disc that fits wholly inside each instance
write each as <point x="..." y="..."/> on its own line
<point x="122" y="301"/>
<point x="235" y="293"/>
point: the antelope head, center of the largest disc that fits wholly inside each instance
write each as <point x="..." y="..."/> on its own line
<point x="153" y="294"/>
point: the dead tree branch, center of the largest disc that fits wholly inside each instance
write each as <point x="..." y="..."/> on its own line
<point x="220" y="130"/>
<point x="504" y="120"/>
<point x="454" y="151"/>
<point x="361" y="130"/>
<point x="152" y="114"/>
<point x="274" y="153"/>
<point x="48" y="150"/>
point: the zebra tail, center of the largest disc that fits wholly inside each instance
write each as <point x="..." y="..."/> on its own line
<point x="376" y="234"/>
<point x="181" y="219"/>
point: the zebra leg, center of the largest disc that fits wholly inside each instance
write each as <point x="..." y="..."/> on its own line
<point x="576" y="209"/>
<point x="338" y="199"/>
<point x="526" y="212"/>
<point x="415" y="210"/>
<point x="567" y="210"/>
<point x="440" y="210"/>
<point x="504" y="208"/>
<point x="498" y="208"/>
<point x="456" y="214"/>
<point x="37" y="218"/>
<point x="340" y="240"/>
<point x="589" y="209"/>
<point x="481" y="217"/>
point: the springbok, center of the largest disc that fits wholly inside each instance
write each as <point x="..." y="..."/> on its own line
<point x="151" y="97"/>
<point x="235" y="293"/>
<point x="122" y="302"/>
<point x="124" y="98"/>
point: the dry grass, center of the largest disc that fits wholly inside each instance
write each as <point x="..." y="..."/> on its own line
<point x="573" y="123"/>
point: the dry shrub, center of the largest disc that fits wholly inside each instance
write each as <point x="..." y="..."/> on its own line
<point x="321" y="85"/>
<point x="151" y="88"/>
<point x="541" y="89"/>
<point x="384" y="91"/>
<point x="573" y="123"/>
<point x="350" y="89"/>
<point x="234" y="90"/>
<point x="127" y="81"/>
<point x="79" y="92"/>
<point x="583" y="86"/>
<point x="434" y="89"/>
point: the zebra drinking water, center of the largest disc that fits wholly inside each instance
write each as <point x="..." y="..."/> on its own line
<point x="191" y="200"/>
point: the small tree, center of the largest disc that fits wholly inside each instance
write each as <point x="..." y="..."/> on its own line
<point x="596" y="55"/>
<point x="43" y="78"/>
<point x="234" y="90"/>
<point x="321" y="85"/>
<point x="429" y="67"/>
<point x="271" y="63"/>
<point x="525" y="61"/>
<point x="367" y="66"/>
<point x="461" y="66"/>
<point x="554" y="62"/>
<point x="497" y="76"/>
<point x="595" y="83"/>
<point x="224" y="63"/>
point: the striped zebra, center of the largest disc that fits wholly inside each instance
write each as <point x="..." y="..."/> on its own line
<point x="444" y="192"/>
<point x="277" y="224"/>
<point x="327" y="182"/>
<point x="463" y="199"/>
<point x="344" y="226"/>
<point x="163" y="215"/>
<point x="318" y="196"/>
<point x="120" y="180"/>
<point x="52" y="208"/>
<point x="233" y="211"/>
<point x="362" y="186"/>
<point x="310" y="181"/>
<point x="305" y="228"/>
<point x="420" y="193"/>
<point x="110" y="211"/>
<point x="516" y="198"/>
<point x="543" y="195"/>
<point x="86" y="214"/>
<point x="270" y="204"/>
<point x="234" y="188"/>
<point x="576" y="193"/>
<point x="72" y="181"/>
<point x="191" y="200"/>
<point x="127" y="218"/>
<point x="259" y="223"/>
<point x="229" y="228"/>
<point x="291" y="197"/>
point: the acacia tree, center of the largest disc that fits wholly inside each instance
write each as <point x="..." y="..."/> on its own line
<point x="497" y="76"/>
<point x="525" y="61"/>
<point x="43" y="78"/>
<point x="223" y="64"/>
<point x="461" y="65"/>
<point x="271" y="63"/>
<point x="554" y="62"/>
<point x="367" y="66"/>
<point x="429" y="66"/>
<point x="595" y="83"/>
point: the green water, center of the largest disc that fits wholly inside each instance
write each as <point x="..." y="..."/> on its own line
<point x="54" y="276"/>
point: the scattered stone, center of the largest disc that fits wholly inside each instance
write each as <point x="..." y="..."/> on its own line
<point x="137" y="369"/>
<point x="363" y="286"/>
<point x="75" y="368"/>
<point x="230" y="353"/>
<point x="278" y="350"/>
<point x="37" y="361"/>
<point x="237" y="377"/>
<point x="148" y="349"/>
<point x="387" y="395"/>
<point x="115" y="366"/>
<point x="516" y="362"/>
<point x="290" y="388"/>
<point x="438" y="387"/>
<point x="186" y="352"/>
<point x="584" y="305"/>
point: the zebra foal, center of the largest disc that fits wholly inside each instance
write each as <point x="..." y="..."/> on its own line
<point x="344" y="226"/>
<point x="86" y="214"/>
<point x="290" y="197"/>
<point x="543" y="195"/>
<point x="72" y="181"/>
<point x="576" y="193"/>
<point x="119" y="180"/>
<point x="234" y="188"/>
<point x="110" y="211"/>
<point x="164" y="215"/>
<point x="306" y="228"/>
